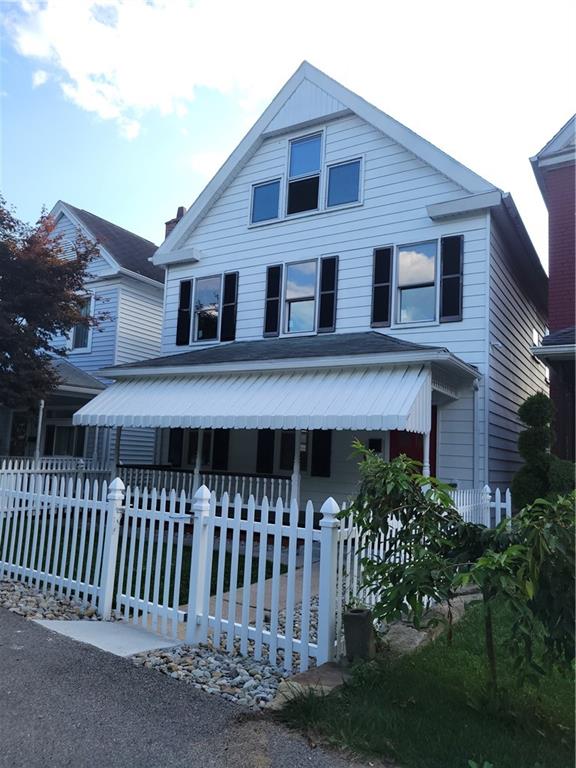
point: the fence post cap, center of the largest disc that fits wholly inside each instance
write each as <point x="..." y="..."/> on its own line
<point x="329" y="511"/>
<point x="117" y="485"/>
<point x="487" y="489"/>
<point x="202" y="494"/>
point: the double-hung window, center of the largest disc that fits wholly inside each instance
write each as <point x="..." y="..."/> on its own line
<point x="301" y="297"/>
<point x="304" y="174"/>
<point x="207" y="309"/>
<point x="265" y="201"/>
<point x="425" y="285"/>
<point x="343" y="183"/>
<point x="80" y="337"/>
<point x="417" y="282"/>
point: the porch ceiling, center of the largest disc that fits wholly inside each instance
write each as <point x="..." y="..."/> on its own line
<point x="368" y="398"/>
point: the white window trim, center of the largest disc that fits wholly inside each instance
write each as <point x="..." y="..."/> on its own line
<point x="284" y="301"/>
<point x="285" y="179"/>
<point x="282" y="182"/>
<point x="395" y="304"/>
<point x="88" y="348"/>
<point x="353" y="203"/>
<point x="193" y="339"/>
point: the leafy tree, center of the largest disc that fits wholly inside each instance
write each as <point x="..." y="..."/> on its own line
<point x="416" y="515"/>
<point x="40" y="299"/>
<point x="530" y="567"/>
<point x="543" y="474"/>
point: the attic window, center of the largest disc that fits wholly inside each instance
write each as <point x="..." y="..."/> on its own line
<point x="344" y="183"/>
<point x="304" y="174"/>
<point x="265" y="201"/>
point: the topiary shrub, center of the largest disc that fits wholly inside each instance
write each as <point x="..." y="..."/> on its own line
<point x="543" y="475"/>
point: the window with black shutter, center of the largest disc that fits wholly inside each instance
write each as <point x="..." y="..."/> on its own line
<point x="183" y="324"/>
<point x="381" y="286"/>
<point x="265" y="452"/>
<point x="221" y="443"/>
<point x="175" y="442"/>
<point x="229" y="304"/>
<point x="272" y="309"/>
<point x="321" y="453"/>
<point x="287" y="451"/>
<point x="451" y="279"/>
<point x="328" y="284"/>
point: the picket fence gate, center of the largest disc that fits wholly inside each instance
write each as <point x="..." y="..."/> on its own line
<point x="207" y="572"/>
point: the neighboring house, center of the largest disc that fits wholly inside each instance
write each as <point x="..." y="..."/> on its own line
<point x="554" y="168"/>
<point x="339" y="277"/>
<point x="129" y="289"/>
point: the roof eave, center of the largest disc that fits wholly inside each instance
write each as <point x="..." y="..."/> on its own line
<point x="336" y="361"/>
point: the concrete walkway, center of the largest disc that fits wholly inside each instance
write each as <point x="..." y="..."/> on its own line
<point x="67" y="704"/>
<point x="117" y="637"/>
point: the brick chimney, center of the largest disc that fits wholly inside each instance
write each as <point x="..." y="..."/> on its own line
<point x="172" y="222"/>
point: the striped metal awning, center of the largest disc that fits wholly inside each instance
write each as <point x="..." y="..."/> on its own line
<point x="367" y="398"/>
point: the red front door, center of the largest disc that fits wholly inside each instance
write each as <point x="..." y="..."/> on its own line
<point x="412" y="444"/>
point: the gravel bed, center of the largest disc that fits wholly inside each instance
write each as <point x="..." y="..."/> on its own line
<point x="235" y="677"/>
<point x="28" y="601"/>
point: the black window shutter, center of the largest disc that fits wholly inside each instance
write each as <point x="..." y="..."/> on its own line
<point x="221" y="442"/>
<point x="183" y="326"/>
<point x="451" y="282"/>
<point x="175" y="447"/>
<point x="321" y="453"/>
<point x="265" y="452"/>
<point x="328" y="283"/>
<point x="229" y="304"/>
<point x="272" y="308"/>
<point x="381" y="286"/>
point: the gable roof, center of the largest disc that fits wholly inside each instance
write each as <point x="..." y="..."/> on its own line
<point x="72" y="378"/>
<point x="129" y="251"/>
<point x="560" y="150"/>
<point x="323" y="98"/>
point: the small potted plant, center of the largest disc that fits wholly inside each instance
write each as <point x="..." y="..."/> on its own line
<point x="358" y="632"/>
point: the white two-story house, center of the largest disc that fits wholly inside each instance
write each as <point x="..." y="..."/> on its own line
<point x="339" y="277"/>
<point x="128" y="290"/>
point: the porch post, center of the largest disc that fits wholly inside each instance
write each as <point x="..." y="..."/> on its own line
<point x="198" y="462"/>
<point x="39" y="428"/>
<point x="117" y="446"/>
<point x="296" y="469"/>
<point x="426" y="457"/>
<point x="95" y="446"/>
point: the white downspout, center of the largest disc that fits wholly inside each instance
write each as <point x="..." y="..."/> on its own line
<point x="198" y="462"/>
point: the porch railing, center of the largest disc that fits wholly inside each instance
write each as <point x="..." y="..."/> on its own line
<point x="246" y="485"/>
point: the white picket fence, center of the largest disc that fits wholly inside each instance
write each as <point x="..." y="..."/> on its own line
<point x="55" y="534"/>
<point x="215" y="574"/>
<point x="479" y="505"/>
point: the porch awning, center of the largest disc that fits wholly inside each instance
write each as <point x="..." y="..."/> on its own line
<point x="370" y="398"/>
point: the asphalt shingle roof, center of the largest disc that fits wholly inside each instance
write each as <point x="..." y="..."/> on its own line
<point x="130" y="251"/>
<point x="565" y="336"/>
<point x="72" y="376"/>
<point x="322" y="345"/>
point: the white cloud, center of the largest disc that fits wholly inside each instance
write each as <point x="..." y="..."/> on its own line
<point x="205" y="164"/>
<point x="122" y="59"/>
<point x="39" y="77"/>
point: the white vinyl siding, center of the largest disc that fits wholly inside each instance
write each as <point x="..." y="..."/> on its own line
<point x="68" y="229"/>
<point x="515" y="374"/>
<point x="397" y="187"/>
<point x="139" y="324"/>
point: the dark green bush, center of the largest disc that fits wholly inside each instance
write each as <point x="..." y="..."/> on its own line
<point x="543" y="475"/>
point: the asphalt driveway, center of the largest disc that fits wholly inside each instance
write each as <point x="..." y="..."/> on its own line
<point x="64" y="703"/>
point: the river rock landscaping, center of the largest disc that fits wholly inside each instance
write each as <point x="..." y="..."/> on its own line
<point x="236" y="678"/>
<point x="31" y="603"/>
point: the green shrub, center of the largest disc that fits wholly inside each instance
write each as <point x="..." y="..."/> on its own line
<point x="543" y="475"/>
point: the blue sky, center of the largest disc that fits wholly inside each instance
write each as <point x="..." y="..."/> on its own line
<point x="128" y="107"/>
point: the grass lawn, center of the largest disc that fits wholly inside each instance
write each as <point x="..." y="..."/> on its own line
<point x="428" y="710"/>
<point x="185" y="572"/>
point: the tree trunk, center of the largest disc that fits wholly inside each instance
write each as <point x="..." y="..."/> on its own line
<point x="490" y="651"/>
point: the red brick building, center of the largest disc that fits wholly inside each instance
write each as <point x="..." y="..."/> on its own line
<point x="554" y="167"/>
